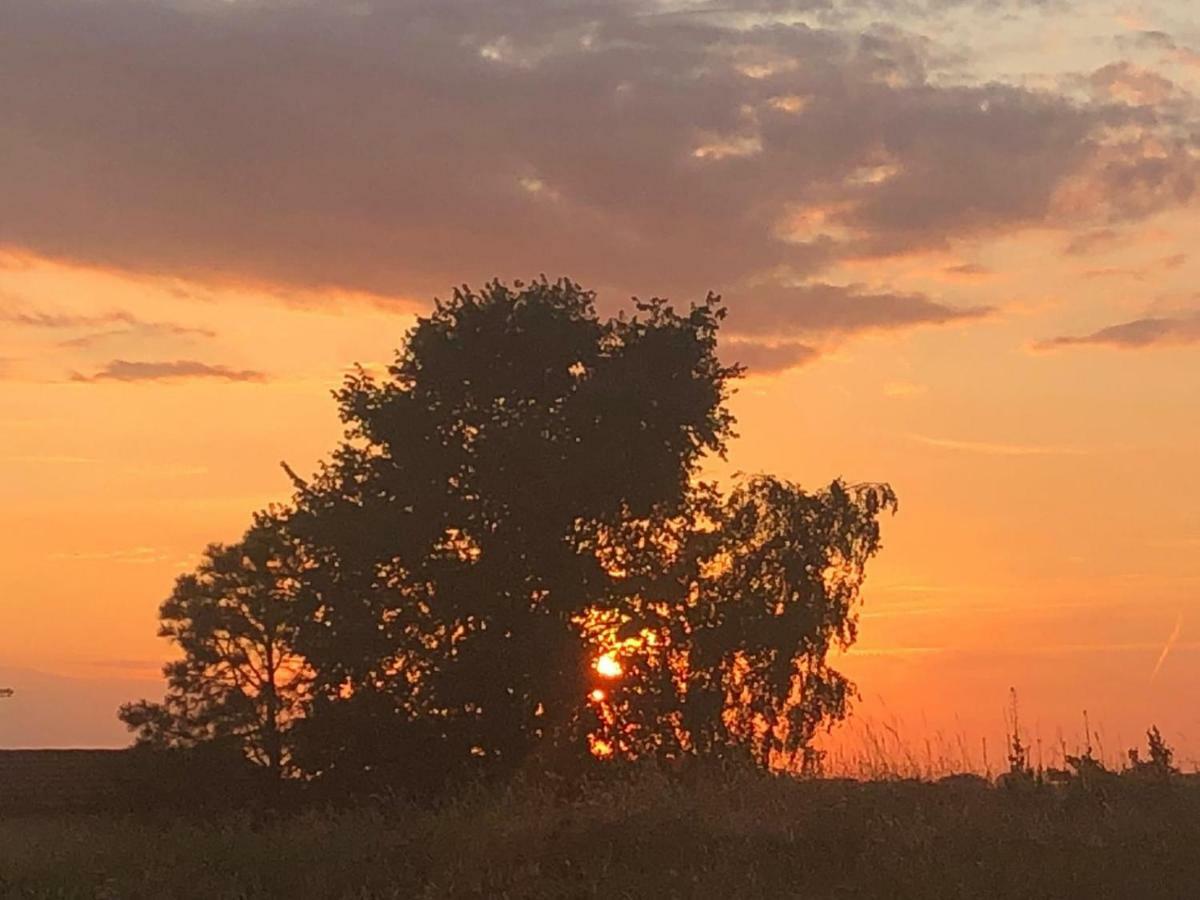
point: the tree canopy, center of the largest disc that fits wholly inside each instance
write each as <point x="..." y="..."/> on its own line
<point x="512" y="557"/>
<point x="240" y="679"/>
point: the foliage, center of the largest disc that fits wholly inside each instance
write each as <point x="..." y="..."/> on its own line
<point x="1161" y="764"/>
<point x="518" y="497"/>
<point x="724" y="833"/>
<point x="240" y="679"/>
<point x="734" y="659"/>
<point x="1020" y="774"/>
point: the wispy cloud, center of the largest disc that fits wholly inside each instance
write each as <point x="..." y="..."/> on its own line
<point x="177" y="370"/>
<point x="895" y="651"/>
<point x="14" y="314"/>
<point x="141" y="468"/>
<point x="989" y="448"/>
<point x="145" y="666"/>
<point x="969" y="271"/>
<point x="1166" y="650"/>
<point x="1136" y="334"/>
<point x="839" y="309"/>
<point x="127" y="555"/>
<point x="1041" y="650"/>
<point x="903" y="389"/>
<point x="54" y="459"/>
<point x="1091" y="241"/>
<point x="765" y="358"/>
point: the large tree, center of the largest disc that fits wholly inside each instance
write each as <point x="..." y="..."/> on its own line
<point x="470" y="520"/>
<point x="512" y="555"/>
<point x="240" y="679"/>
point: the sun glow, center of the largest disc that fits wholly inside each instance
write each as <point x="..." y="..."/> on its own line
<point x="608" y="666"/>
<point x="600" y="748"/>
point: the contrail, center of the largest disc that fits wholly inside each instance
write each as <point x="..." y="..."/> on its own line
<point x="1162" y="657"/>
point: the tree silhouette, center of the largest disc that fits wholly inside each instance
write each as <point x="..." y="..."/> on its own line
<point x="240" y="679"/>
<point x="733" y="656"/>
<point x="461" y="520"/>
<point x="511" y="560"/>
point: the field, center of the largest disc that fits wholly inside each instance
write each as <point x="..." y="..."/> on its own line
<point x="712" y="833"/>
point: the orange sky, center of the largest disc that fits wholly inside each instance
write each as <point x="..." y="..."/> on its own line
<point x="968" y="272"/>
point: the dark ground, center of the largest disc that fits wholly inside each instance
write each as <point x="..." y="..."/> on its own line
<point x="712" y="834"/>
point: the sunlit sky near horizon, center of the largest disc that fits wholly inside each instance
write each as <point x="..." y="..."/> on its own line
<point x="956" y="239"/>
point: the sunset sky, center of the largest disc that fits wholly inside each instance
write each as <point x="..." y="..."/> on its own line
<point x="956" y="239"/>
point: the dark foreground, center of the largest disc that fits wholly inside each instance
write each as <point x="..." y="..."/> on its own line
<point x="716" y="835"/>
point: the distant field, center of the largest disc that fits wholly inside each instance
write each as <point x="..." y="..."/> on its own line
<point x="720" y="835"/>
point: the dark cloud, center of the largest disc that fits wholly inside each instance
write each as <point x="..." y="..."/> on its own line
<point x="762" y="358"/>
<point x="179" y="370"/>
<point x="828" y="309"/>
<point x="397" y="146"/>
<point x="1139" y="333"/>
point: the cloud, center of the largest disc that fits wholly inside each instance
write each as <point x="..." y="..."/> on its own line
<point x="1139" y="333"/>
<point x="988" y="448"/>
<point x="170" y="469"/>
<point x="1126" y="83"/>
<point x="124" y="370"/>
<point x="96" y="337"/>
<point x="968" y="270"/>
<point x="767" y="358"/>
<point x="398" y="146"/>
<point x="1090" y="241"/>
<point x="56" y="459"/>
<point x="831" y="309"/>
<point x="148" y="666"/>
<point x="141" y="329"/>
<point x="1154" y="40"/>
<point x="14" y="314"/>
<point x="1115" y="272"/>
<point x="130" y="555"/>
<point x="904" y="389"/>
<point x="1166" y="650"/>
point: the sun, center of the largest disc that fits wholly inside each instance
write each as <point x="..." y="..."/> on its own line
<point x="608" y="666"/>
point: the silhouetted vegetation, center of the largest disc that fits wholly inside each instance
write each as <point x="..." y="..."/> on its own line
<point x="241" y="681"/>
<point x="512" y="563"/>
<point x="509" y="614"/>
<point x="1160" y="764"/>
<point x="699" y="831"/>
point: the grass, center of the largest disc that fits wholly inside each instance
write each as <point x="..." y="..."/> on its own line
<point x="644" y="834"/>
